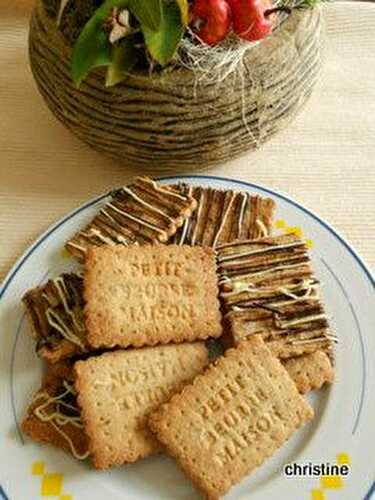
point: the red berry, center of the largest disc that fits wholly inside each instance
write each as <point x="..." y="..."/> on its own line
<point x="211" y="20"/>
<point x="249" y="20"/>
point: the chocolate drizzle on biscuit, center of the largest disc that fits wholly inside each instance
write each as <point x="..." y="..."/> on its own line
<point x="60" y="410"/>
<point x="223" y="216"/>
<point x="268" y="288"/>
<point x="56" y="313"/>
<point x="144" y="212"/>
<point x="53" y="416"/>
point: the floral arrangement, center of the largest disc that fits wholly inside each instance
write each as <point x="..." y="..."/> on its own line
<point x="127" y="35"/>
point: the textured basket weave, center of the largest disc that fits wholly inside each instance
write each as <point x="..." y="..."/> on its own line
<point x="167" y="122"/>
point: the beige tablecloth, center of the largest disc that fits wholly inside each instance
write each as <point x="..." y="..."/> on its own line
<point x="326" y="159"/>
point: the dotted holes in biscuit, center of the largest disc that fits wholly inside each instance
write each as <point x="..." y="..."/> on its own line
<point x="105" y="421"/>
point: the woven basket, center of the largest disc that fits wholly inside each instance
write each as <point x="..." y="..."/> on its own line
<point x="168" y="123"/>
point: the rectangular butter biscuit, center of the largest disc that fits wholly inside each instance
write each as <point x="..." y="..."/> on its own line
<point x="55" y="311"/>
<point x="148" y="295"/>
<point x="222" y="216"/>
<point x="117" y="391"/>
<point x="144" y="212"/>
<point x="53" y="416"/>
<point x="231" y="418"/>
<point x="268" y="287"/>
<point x="310" y="371"/>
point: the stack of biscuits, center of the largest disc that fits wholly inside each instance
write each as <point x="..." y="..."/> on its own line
<point x="191" y="331"/>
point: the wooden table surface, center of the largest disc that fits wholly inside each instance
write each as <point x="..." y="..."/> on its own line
<point x="325" y="160"/>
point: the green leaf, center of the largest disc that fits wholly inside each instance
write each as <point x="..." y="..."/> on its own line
<point x="184" y="9"/>
<point x="147" y="12"/>
<point x="124" y="58"/>
<point x="162" y="44"/>
<point x="92" y="49"/>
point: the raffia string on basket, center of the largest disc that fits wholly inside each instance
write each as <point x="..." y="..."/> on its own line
<point x="166" y="122"/>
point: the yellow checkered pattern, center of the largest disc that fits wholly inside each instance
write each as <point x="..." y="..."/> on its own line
<point x="51" y="484"/>
<point x="297" y="230"/>
<point x="330" y="482"/>
<point x="318" y="495"/>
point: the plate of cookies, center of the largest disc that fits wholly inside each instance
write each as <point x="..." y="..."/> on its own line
<point x="183" y="338"/>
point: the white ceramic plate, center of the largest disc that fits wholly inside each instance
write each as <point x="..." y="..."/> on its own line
<point x="343" y="430"/>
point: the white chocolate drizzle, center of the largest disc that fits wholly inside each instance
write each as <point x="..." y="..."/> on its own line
<point x="238" y="255"/>
<point x="303" y="298"/>
<point x="146" y="204"/>
<point x="78" y="247"/>
<point x="314" y="340"/>
<point x="242" y="213"/>
<point x="224" y="279"/>
<point x="58" y="419"/>
<point x="276" y="304"/>
<point x="309" y="285"/>
<point x="223" y="220"/>
<point x="257" y="274"/>
<point x="63" y="292"/>
<point x="237" y="244"/>
<point x="298" y="321"/>
<point x="96" y="233"/>
<point x="239" y="287"/>
<point x="119" y="237"/>
<point x="199" y="211"/>
<point x="106" y="214"/>
<point x="187" y="222"/>
<point x="138" y="220"/>
<point x="58" y="324"/>
<point x="163" y="190"/>
<point x="334" y="338"/>
<point x="185" y="228"/>
<point x="262" y="228"/>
